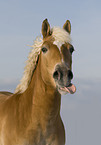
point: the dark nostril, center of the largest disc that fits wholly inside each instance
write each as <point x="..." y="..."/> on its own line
<point x="70" y="74"/>
<point x="56" y="75"/>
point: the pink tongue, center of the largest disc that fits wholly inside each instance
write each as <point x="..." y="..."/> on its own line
<point x="70" y="89"/>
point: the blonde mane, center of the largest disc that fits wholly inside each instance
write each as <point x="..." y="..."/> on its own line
<point x="30" y="66"/>
<point x="60" y="36"/>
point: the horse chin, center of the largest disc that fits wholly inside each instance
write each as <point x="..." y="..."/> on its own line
<point x="62" y="92"/>
<point x="67" y="89"/>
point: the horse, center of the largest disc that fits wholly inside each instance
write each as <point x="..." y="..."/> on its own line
<point x="31" y="115"/>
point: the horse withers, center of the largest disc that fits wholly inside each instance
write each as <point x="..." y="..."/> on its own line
<point x="31" y="116"/>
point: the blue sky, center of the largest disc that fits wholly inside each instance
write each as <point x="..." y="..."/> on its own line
<point x="20" y="23"/>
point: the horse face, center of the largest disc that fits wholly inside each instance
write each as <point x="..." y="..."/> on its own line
<point x="56" y="58"/>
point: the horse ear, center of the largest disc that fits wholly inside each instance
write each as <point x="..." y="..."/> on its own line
<point x="45" y="28"/>
<point x="67" y="26"/>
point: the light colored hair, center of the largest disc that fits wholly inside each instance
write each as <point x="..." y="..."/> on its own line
<point x="60" y="35"/>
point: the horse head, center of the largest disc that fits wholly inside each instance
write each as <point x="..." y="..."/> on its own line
<point x="56" y="57"/>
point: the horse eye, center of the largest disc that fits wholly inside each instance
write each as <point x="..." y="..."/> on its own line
<point x="71" y="49"/>
<point x="44" y="49"/>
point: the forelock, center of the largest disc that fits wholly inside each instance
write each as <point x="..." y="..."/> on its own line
<point x="61" y="36"/>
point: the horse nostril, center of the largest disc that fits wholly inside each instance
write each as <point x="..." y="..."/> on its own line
<point x="56" y="75"/>
<point x="70" y="74"/>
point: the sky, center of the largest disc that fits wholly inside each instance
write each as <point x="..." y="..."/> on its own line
<point x="20" y="24"/>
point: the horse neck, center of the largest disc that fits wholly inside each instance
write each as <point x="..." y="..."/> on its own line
<point x="46" y="99"/>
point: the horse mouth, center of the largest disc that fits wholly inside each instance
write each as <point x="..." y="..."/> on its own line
<point x="68" y="89"/>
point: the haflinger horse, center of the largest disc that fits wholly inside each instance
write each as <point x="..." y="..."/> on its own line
<point x="31" y="116"/>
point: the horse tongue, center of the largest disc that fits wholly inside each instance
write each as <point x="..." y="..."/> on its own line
<point x="70" y="89"/>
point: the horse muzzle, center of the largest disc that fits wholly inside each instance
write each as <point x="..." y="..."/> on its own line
<point x="63" y="76"/>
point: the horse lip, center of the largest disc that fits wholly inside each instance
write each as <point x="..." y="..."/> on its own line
<point x="70" y="88"/>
